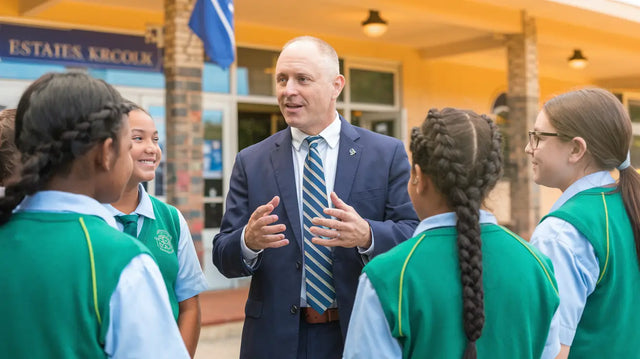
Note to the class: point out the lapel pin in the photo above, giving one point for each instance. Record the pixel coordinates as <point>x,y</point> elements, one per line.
<point>352,151</point>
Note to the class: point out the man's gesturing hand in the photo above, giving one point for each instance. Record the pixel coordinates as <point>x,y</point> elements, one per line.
<point>261,232</point>
<point>347,230</point>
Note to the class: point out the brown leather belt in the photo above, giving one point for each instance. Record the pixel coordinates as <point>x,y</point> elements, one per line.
<point>311,316</point>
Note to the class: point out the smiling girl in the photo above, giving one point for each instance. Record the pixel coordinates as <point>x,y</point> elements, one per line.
<point>162,228</point>
<point>592,233</point>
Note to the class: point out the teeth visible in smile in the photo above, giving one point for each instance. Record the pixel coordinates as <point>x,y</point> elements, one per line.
<point>146,162</point>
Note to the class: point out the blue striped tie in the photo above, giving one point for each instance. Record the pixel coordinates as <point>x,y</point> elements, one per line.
<point>318,263</point>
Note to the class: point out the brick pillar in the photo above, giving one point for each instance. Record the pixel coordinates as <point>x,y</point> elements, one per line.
<point>183,63</point>
<point>522,97</point>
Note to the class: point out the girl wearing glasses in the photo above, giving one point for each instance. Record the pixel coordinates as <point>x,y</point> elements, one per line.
<point>592,233</point>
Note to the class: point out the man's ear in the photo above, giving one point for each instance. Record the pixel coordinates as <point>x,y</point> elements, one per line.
<point>338,85</point>
<point>106,154</point>
<point>578,149</point>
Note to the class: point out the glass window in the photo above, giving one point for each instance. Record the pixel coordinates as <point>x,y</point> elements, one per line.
<point>634,113</point>
<point>212,215</point>
<point>129,77</point>
<point>215,78</point>
<point>634,110</point>
<point>256,69</point>
<point>212,167</point>
<point>635,152</point>
<point>375,87</point>
<point>26,71</point>
<point>257,122</point>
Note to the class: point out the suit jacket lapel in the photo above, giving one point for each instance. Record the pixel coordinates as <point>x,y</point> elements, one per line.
<point>348,160</point>
<point>282,161</point>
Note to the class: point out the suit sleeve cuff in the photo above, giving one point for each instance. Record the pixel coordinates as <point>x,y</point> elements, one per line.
<point>248,255</point>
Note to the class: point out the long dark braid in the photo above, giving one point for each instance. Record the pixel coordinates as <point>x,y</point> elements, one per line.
<point>460,152</point>
<point>60,117</point>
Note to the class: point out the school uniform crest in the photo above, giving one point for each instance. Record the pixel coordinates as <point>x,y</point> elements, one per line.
<point>163,241</point>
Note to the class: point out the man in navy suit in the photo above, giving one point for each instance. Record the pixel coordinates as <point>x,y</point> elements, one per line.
<point>367,213</point>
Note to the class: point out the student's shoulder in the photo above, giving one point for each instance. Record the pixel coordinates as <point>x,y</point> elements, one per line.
<point>517,247</point>
<point>102,234</point>
<point>157,203</point>
<point>399,253</point>
<point>166,210</point>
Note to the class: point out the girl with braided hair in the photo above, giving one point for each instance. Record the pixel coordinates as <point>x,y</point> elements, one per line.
<point>592,233</point>
<point>9,161</point>
<point>462,287</point>
<point>73,286</point>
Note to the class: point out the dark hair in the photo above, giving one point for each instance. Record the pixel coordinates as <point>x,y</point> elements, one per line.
<point>9,156</point>
<point>461,152</point>
<point>135,107</point>
<point>601,120</point>
<point>59,118</point>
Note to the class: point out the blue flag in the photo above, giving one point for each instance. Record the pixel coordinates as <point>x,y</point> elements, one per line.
<point>212,21</point>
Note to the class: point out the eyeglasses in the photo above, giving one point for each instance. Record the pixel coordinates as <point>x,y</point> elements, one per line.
<point>534,137</point>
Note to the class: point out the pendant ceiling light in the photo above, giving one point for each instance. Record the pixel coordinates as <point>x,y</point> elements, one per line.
<point>374,26</point>
<point>577,60</point>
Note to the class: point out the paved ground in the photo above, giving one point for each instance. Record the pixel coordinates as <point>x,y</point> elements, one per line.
<point>222,316</point>
<point>221,341</point>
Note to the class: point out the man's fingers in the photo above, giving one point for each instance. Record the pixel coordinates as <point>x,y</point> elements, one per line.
<point>328,222</point>
<point>265,220</point>
<point>337,213</point>
<point>277,244</point>
<point>338,203</point>
<point>265,209</point>
<point>324,232</point>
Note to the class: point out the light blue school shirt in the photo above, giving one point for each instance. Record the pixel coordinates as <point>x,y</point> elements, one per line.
<point>190,280</point>
<point>369,335</point>
<point>141,323</point>
<point>574,260</point>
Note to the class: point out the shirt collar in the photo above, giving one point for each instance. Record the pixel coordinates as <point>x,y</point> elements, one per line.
<point>597,179</point>
<point>145,207</point>
<point>331,134</point>
<point>65,202</point>
<point>449,220</point>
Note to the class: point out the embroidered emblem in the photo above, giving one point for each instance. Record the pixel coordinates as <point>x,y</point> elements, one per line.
<point>163,240</point>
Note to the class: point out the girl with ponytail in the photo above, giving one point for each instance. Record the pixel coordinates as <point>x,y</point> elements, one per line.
<point>592,233</point>
<point>462,287</point>
<point>73,286</point>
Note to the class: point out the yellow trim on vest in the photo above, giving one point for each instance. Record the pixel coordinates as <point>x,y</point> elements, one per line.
<point>93,270</point>
<point>534,256</point>
<point>404,267</point>
<point>606,214</point>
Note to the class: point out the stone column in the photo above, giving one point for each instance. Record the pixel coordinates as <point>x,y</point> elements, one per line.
<point>183,63</point>
<point>523,101</point>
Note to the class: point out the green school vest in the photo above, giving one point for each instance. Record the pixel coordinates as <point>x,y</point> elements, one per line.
<point>608,327</point>
<point>57,274</point>
<point>161,236</point>
<point>418,284</point>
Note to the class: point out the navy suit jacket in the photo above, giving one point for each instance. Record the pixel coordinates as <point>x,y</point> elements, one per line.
<point>371,175</point>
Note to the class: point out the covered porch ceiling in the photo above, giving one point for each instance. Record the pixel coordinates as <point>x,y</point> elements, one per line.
<point>468,32</point>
